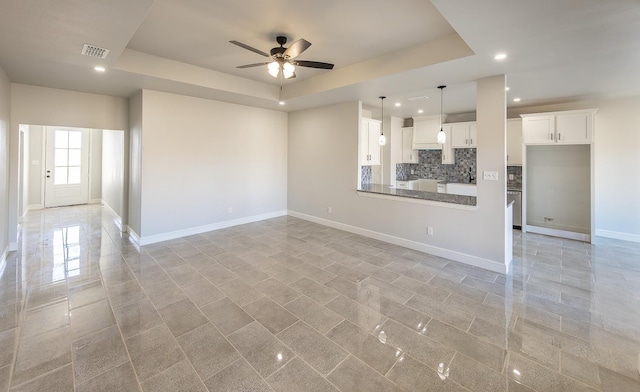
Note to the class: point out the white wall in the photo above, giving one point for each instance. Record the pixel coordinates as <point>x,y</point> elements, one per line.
<point>95,165</point>
<point>617,158</point>
<point>135,165</point>
<point>113,170</point>
<point>5,124</point>
<point>323,146</point>
<point>201,157</point>
<point>36,150</point>
<point>40,105</point>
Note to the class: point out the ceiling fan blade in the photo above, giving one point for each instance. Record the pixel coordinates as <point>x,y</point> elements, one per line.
<point>251,65</point>
<point>296,48</point>
<point>313,64</point>
<point>247,47</point>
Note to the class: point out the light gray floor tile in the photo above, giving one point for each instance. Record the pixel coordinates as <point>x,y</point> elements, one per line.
<point>240,292</point>
<point>46,318</point>
<point>202,292</point>
<point>91,318</point>
<point>314,314</point>
<point>182,316</point>
<point>42,353</point>
<point>361,315</point>
<point>179,377</point>
<point>352,375</point>
<point>319,293</point>
<point>164,293</point>
<point>414,376</point>
<point>43,295</point>
<point>137,317</point>
<point>227,316</point>
<point>125,293</point>
<point>8,340</point>
<point>153,351</point>
<point>297,376</point>
<point>442,312</point>
<point>207,350</point>
<point>318,351</point>
<point>271,315</point>
<point>540,378</point>
<point>94,354</point>
<point>5,377</point>
<point>239,376</point>
<point>371,350</point>
<point>60,380</point>
<point>277,291</point>
<point>261,348</point>
<point>120,378</point>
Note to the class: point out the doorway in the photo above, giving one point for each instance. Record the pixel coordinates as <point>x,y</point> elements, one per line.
<point>66,166</point>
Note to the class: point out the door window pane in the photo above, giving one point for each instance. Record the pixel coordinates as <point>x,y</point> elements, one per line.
<point>62,139</point>
<point>60,176</point>
<point>74,175</point>
<point>74,157</point>
<point>61,157</point>
<point>75,139</point>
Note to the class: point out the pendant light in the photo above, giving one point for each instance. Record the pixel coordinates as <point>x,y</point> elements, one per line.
<point>442,137</point>
<point>383,139</point>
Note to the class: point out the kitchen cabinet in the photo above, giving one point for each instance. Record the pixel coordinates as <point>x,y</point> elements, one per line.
<point>409,155</point>
<point>514,141</point>
<point>448,155</point>
<point>425,132</point>
<point>463,135</point>
<point>369,144</point>
<point>569,127</point>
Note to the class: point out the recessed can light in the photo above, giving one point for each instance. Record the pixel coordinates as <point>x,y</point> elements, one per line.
<point>420,111</point>
<point>281,102</point>
<point>500,56</point>
<point>99,69</point>
<point>516,100</point>
<point>398,104</point>
<point>507,89</point>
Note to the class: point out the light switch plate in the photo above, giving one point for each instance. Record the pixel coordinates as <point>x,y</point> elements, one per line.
<point>490,175</point>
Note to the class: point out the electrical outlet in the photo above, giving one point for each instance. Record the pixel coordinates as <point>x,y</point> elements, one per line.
<point>490,175</point>
<point>329,210</point>
<point>413,171</point>
<point>429,230</point>
<point>230,210</point>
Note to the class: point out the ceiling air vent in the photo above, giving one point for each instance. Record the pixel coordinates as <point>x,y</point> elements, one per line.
<point>418,98</point>
<point>95,51</point>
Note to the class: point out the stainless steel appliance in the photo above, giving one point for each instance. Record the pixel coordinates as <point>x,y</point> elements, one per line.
<point>516,197</point>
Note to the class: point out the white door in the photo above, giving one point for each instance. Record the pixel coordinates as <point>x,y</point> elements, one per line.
<point>67,166</point>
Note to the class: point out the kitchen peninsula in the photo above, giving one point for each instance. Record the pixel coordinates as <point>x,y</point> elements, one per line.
<point>417,194</point>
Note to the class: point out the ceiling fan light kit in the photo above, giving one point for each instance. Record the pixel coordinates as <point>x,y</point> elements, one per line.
<point>283,59</point>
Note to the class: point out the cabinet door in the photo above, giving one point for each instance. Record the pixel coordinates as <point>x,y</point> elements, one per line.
<point>409,155</point>
<point>363,144</point>
<point>447,150</point>
<point>574,128</point>
<point>539,130</point>
<point>374,145</point>
<point>514,142</point>
<point>459,135</point>
<point>425,134</point>
<point>473,134</point>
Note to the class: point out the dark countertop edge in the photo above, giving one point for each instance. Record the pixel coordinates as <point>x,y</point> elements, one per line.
<point>514,189</point>
<point>458,200</point>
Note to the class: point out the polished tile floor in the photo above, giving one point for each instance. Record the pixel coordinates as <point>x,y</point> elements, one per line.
<point>288,305</point>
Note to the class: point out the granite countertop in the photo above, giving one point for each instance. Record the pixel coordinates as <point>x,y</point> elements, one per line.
<point>433,196</point>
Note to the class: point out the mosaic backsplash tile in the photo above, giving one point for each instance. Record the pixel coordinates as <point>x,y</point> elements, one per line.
<point>516,183</point>
<point>365,175</point>
<point>430,166</point>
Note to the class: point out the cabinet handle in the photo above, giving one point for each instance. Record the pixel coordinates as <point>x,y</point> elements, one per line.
<point>551,134</point>
<point>466,141</point>
<point>559,137</point>
<point>471,142</point>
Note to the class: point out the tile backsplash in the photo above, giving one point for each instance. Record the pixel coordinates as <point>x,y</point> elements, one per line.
<point>430,166</point>
<point>516,183</point>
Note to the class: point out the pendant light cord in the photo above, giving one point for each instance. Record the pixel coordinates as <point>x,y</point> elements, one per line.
<point>382,114</point>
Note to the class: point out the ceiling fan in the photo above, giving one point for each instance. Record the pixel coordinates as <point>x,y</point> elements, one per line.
<point>283,60</point>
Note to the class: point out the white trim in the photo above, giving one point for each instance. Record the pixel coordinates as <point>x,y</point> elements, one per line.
<point>211,227</point>
<point>117,219</point>
<point>13,246</point>
<point>559,233</point>
<point>95,201</point>
<point>421,247</point>
<point>32,207</point>
<point>133,237</point>
<point>418,201</point>
<point>618,235</point>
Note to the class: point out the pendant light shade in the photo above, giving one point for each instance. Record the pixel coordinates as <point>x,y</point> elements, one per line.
<point>442,137</point>
<point>382,140</point>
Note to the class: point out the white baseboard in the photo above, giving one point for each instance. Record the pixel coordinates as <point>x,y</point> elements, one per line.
<point>134,237</point>
<point>617,235</point>
<point>559,233</point>
<point>433,250</point>
<point>32,207</point>
<point>203,229</point>
<point>13,246</point>
<point>117,219</point>
<point>95,201</point>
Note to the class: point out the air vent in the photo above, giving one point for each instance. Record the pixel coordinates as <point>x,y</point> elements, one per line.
<point>418,98</point>
<point>95,51</point>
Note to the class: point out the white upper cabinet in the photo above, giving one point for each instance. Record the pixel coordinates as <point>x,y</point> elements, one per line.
<point>514,141</point>
<point>570,127</point>
<point>369,144</point>
<point>463,135</point>
<point>448,157</point>
<point>425,132</point>
<point>409,155</point>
